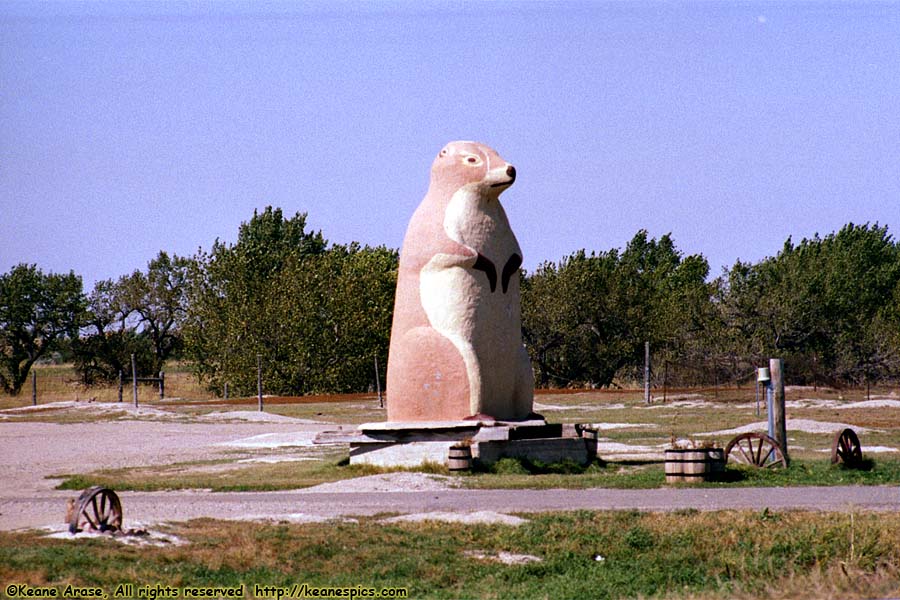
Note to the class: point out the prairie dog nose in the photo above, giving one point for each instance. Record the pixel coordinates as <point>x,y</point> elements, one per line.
<point>511,171</point>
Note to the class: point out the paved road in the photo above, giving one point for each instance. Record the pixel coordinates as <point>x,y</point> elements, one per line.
<point>145,508</point>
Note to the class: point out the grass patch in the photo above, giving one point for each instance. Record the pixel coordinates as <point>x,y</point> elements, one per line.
<point>813,473</point>
<point>226,476</point>
<point>510,473</point>
<point>583,555</point>
<point>507,473</point>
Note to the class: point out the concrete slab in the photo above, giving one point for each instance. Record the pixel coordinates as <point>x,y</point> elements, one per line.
<point>548,450</point>
<point>410,444</point>
<point>438,425</point>
<point>410,454</point>
<point>422,425</point>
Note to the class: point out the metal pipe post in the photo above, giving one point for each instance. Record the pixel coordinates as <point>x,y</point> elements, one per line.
<point>778,419</point>
<point>647,372</point>
<point>378,384</point>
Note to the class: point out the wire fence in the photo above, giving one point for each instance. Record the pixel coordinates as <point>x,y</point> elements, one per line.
<point>717,375</point>
<point>668,376</point>
<point>62,384</point>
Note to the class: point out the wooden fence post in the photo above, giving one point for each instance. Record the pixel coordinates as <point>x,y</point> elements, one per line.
<point>33,388</point>
<point>378,384</point>
<point>120,385</point>
<point>716,375</point>
<point>162,385</point>
<point>259,380</point>
<point>226,390</point>
<point>647,372</point>
<point>134,380</point>
<point>757,397</point>
<point>779,421</point>
<point>815,373</point>
<point>665,381</point>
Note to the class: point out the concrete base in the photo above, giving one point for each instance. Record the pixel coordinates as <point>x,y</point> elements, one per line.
<point>413,444</point>
<point>404,454</point>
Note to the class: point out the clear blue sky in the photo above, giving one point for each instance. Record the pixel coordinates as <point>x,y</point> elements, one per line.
<point>130,128</point>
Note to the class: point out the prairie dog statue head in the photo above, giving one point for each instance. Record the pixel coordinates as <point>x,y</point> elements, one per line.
<point>474,166</point>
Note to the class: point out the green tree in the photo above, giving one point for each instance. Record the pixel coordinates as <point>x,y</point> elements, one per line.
<point>140,314</point>
<point>572,325</point>
<point>827,305</point>
<point>36,311</point>
<point>108,337</point>
<point>234,298</point>
<point>665,297</point>
<point>860,276</point>
<point>586,318</point>
<point>338,307</point>
<point>158,300</point>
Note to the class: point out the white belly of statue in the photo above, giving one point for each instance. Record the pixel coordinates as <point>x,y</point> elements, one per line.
<point>482,324</point>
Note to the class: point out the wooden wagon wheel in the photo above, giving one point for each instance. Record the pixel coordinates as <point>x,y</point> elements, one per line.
<point>96,509</point>
<point>846,448</point>
<point>757,450</point>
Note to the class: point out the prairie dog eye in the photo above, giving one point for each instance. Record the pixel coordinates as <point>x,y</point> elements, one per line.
<point>472,160</point>
<point>444,152</point>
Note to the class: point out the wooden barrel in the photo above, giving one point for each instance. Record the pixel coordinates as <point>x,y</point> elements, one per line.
<point>695,466</point>
<point>716,459</point>
<point>674,466</point>
<point>692,466</point>
<point>459,458</point>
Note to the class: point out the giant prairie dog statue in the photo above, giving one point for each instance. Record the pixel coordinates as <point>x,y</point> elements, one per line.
<point>456,344</point>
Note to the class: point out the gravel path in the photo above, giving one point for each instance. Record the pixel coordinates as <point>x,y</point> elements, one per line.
<point>30,452</point>
<point>143,508</point>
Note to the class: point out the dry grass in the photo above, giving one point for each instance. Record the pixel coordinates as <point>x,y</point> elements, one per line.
<point>583,554</point>
<point>60,383</point>
<point>222,475</point>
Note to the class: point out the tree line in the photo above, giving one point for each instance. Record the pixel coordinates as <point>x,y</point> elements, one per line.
<point>319,314</point>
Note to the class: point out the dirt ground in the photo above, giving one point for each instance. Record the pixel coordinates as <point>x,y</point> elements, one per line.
<point>32,452</point>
